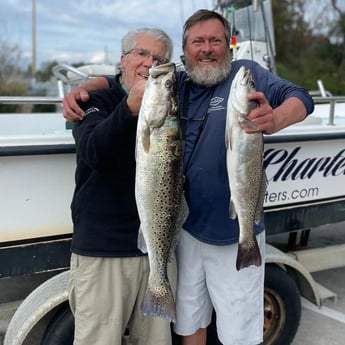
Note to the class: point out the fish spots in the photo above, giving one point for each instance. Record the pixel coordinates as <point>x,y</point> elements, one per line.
<point>247,179</point>
<point>158,185</point>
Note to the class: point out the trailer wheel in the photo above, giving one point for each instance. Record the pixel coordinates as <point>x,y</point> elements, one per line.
<point>60,329</point>
<point>282,307</point>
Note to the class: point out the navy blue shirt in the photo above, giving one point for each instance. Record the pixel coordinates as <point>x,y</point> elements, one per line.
<point>203,123</point>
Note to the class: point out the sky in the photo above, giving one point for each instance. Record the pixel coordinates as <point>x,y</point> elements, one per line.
<point>71,31</point>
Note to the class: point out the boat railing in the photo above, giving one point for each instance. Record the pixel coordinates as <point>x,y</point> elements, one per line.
<point>30,100</point>
<point>332,101</point>
<point>70,76</point>
<point>321,91</point>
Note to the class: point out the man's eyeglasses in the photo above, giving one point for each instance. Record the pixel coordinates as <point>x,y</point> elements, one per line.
<point>144,54</point>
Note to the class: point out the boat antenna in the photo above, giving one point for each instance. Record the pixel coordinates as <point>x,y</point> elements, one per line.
<point>250,34</point>
<point>270,58</point>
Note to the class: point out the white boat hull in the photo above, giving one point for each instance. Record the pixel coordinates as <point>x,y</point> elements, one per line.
<point>36,192</point>
<point>37,164</point>
<point>305,165</point>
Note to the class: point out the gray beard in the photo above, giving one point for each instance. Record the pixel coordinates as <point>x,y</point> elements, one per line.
<point>209,75</point>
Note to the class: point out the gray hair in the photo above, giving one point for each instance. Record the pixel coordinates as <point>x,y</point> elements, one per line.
<point>128,41</point>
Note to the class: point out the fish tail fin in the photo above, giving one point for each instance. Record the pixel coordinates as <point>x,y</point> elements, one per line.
<point>248,254</point>
<point>159,301</point>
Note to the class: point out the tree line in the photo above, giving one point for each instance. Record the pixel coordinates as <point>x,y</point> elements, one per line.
<point>310,42</point>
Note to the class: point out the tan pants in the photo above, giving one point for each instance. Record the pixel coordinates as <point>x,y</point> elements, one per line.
<point>105,295</point>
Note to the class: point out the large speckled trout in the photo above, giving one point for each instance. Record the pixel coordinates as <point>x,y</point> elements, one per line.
<point>158,185</point>
<point>247,178</point>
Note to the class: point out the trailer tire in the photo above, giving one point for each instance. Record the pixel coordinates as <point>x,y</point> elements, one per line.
<point>60,329</point>
<point>282,306</point>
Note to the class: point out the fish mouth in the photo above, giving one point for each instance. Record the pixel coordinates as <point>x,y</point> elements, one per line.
<point>156,71</point>
<point>144,76</point>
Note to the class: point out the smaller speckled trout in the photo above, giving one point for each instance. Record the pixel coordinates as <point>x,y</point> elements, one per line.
<point>247,178</point>
<point>158,185</point>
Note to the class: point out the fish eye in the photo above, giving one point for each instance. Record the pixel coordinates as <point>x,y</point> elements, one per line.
<point>168,84</point>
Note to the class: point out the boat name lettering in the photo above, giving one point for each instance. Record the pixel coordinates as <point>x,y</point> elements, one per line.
<point>289,166</point>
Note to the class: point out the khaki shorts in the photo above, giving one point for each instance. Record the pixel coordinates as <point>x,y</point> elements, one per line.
<point>105,295</point>
<point>207,278</point>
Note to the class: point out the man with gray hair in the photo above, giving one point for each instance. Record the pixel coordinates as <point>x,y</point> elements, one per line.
<point>109,274</point>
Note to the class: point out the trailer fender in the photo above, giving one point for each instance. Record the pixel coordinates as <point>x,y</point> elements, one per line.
<point>39,303</point>
<point>304,280</point>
